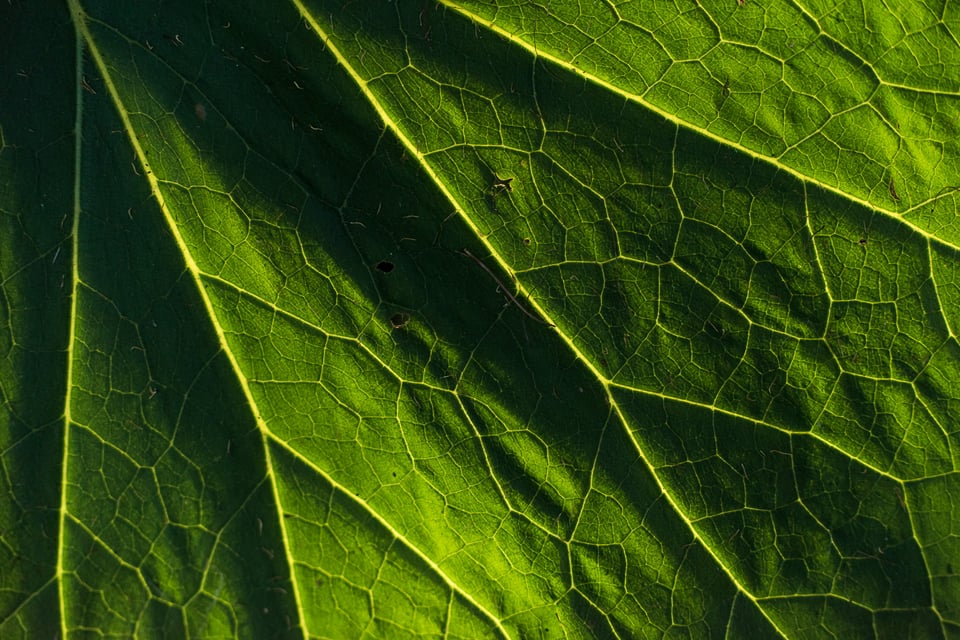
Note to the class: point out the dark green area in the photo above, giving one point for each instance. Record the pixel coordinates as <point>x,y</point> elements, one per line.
<point>478,321</point>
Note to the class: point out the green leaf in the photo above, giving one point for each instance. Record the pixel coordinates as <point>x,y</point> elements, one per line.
<point>454,319</point>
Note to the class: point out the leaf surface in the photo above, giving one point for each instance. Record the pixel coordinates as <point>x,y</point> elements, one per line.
<point>479,320</point>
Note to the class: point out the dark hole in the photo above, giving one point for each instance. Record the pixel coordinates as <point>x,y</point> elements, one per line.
<point>399,320</point>
<point>863,241</point>
<point>394,474</point>
<point>385,265</point>
<point>526,241</point>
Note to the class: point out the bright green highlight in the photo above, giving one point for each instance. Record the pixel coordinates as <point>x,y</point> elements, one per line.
<point>254,386</point>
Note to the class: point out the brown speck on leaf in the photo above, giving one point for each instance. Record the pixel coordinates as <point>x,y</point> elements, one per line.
<point>741,2</point>
<point>200,111</point>
<point>502,184</point>
<point>893,191</point>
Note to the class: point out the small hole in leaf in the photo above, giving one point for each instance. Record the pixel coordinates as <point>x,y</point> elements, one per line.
<point>399,320</point>
<point>526,242</point>
<point>385,265</point>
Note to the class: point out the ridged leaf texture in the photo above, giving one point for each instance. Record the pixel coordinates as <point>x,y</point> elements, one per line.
<point>479,319</point>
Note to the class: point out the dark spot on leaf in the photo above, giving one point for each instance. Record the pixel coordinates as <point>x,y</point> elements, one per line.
<point>385,266</point>
<point>394,474</point>
<point>399,320</point>
<point>526,242</point>
<point>893,191</point>
<point>715,329</point>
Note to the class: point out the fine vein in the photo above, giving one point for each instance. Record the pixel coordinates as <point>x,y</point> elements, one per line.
<point>503,288</point>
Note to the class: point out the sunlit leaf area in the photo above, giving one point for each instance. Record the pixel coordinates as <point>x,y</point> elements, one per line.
<point>479,319</point>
